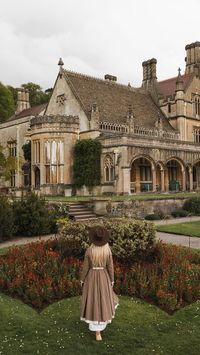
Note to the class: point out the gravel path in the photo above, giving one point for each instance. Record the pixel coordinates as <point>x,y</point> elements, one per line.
<point>166,237</point>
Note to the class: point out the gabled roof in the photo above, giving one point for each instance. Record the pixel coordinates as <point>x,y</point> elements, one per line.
<point>113,100</point>
<point>32,111</point>
<point>168,87</point>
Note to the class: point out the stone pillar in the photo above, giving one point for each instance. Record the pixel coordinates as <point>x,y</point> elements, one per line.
<point>126,185</point>
<point>162,178</point>
<point>190,179</point>
<point>166,180</point>
<point>154,179</point>
<point>42,167</point>
<point>183,180</point>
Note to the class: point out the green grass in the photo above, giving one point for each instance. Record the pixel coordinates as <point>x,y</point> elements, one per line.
<point>191,229</point>
<point>143,196</point>
<point>3,251</point>
<point>138,329</point>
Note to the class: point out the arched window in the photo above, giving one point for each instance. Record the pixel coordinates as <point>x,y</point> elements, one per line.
<point>109,170</point>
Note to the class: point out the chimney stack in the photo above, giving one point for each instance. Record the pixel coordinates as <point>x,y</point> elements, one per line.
<point>22,100</point>
<point>149,73</point>
<point>192,57</point>
<point>109,77</point>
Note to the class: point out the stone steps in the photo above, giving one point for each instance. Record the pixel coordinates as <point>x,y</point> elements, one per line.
<point>79,212</point>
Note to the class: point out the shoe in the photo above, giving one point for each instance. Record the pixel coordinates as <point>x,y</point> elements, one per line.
<point>98,336</point>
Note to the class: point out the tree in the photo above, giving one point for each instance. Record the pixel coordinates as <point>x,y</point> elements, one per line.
<point>36,95</point>
<point>7,164</point>
<point>7,106</point>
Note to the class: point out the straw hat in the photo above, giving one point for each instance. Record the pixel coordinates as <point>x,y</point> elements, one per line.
<point>99,235</point>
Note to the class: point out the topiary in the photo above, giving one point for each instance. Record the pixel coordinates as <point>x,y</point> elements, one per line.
<point>192,205</point>
<point>179,213</point>
<point>152,217</point>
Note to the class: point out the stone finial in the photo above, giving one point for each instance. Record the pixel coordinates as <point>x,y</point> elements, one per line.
<point>179,81</point>
<point>60,62</point>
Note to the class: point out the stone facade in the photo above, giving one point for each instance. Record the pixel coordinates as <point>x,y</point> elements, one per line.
<point>150,135</point>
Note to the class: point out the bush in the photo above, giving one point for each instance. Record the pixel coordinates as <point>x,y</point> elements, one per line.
<point>31,216</point>
<point>192,205</point>
<point>130,240</point>
<point>56,211</point>
<point>152,217</point>
<point>179,213</point>
<point>6,219</point>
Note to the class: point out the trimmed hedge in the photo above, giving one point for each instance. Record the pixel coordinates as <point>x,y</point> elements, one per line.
<point>130,240</point>
<point>192,205</point>
<point>179,213</point>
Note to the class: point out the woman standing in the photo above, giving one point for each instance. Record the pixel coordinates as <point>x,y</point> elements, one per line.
<point>98,302</point>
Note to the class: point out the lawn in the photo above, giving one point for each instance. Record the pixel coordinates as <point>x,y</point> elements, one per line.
<point>139,328</point>
<point>191,229</point>
<point>142,196</point>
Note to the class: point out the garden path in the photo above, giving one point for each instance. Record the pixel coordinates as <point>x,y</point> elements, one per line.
<point>166,237</point>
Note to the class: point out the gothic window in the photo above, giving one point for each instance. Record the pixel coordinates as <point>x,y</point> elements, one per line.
<point>109,170</point>
<point>172,169</point>
<point>145,170</point>
<point>36,151</point>
<point>54,161</point>
<point>196,105</point>
<point>12,148</point>
<point>196,133</point>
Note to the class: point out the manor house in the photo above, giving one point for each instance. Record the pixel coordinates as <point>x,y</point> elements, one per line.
<point>150,135</point>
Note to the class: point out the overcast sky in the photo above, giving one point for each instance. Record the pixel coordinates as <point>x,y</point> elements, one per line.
<point>94,37</point>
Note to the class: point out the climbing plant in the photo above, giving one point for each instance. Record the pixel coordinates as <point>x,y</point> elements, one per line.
<point>86,168</point>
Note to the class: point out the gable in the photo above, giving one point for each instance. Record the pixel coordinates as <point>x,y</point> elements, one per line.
<point>64,102</point>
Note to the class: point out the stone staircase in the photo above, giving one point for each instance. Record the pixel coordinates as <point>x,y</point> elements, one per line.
<point>80,212</point>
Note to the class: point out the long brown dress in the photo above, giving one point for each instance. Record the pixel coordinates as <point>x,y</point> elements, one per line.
<point>98,301</point>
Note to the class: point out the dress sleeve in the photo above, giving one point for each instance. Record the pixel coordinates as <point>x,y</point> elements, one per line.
<point>110,268</point>
<point>86,267</point>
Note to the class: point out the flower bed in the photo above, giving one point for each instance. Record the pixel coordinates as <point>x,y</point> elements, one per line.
<point>39,275</point>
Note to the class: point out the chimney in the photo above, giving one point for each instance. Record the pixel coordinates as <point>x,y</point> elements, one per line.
<point>149,73</point>
<point>22,100</point>
<point>192,57</point>
<point>109,77</point>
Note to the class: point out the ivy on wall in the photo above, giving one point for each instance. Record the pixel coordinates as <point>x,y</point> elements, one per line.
<point>86,167</point>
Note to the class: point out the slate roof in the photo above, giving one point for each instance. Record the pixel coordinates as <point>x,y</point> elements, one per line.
<point>113,100</point>
<point>32,111</point>
<point>168,87</point>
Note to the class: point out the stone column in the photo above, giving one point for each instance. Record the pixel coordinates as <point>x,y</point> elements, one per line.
<point>162,182</point>
<point>42,167</point>
<point>183,180</point>
<point>154,179</point>
<point>166,180</point>
<point>126,186</point>
<point>190,179</point>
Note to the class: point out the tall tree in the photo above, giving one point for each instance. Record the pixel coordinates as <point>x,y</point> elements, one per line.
<point>36,94</point>
<point>7,105</point>
<point>7,164</point>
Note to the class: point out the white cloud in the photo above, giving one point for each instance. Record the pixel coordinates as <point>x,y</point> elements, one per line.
<point>94,37</point>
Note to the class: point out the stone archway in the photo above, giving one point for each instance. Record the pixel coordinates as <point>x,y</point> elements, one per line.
<point>142,175</point>
<point>175,179</point>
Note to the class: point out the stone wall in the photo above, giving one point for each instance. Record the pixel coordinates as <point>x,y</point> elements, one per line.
<point>136,208</point>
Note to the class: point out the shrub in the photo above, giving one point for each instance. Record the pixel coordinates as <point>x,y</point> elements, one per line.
<point>56,211</point>
<point>179,213</point>
<point>192,205</point>
<point>130,240</point>
<point>31,216</point>
<point>152,217</point>
<point>6,219</point>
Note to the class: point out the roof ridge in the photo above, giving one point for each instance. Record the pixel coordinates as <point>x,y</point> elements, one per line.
<point>175,77</point>
<point>114,83</point>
